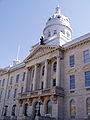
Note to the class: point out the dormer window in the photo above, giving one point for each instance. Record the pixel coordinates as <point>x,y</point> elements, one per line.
<point>55,32</point>
<point>49,34</point>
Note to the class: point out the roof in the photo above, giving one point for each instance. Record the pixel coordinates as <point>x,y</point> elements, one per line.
<point>79,39</point>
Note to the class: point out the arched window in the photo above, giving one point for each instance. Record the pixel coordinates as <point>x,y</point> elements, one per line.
<point>25,109</point>
<point>49,107</point>
<point>88,107</point>
<point>36,108</point>
<point>54,66</point>
<point>72,108</point>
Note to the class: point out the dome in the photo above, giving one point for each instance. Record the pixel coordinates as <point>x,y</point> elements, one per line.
<point>58,18</point>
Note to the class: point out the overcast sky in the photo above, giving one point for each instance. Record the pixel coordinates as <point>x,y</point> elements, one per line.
<point>22,23</point>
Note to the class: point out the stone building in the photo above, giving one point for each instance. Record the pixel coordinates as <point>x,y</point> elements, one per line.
<point>53,82</point>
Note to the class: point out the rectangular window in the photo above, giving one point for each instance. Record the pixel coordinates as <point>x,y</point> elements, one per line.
<point>1,95</point>
<point>22,90</point>
<point>54,82</point>
<point>9,94</point>
<point>11,79</point>
<point>17,79</point>
<point>0,82</point>
<point>24,74</point>
<point>86,56</point>
<point>42,85</point>
<point>3,83</point>
<point>72,61</point>
<point>15,94</point>
<point>87,78</point>
<point>72,82</point>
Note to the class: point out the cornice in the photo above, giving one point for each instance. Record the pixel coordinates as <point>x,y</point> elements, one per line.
<point>82,42</point>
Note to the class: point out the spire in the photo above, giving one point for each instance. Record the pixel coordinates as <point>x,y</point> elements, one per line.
<point>58,11</point>
<point>17,61</point>
<point>18,53</point>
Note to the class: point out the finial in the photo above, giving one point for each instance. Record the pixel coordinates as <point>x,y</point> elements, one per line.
<point>58,11</point>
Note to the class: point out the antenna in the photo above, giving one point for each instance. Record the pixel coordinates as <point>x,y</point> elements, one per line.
<point>18,53</point>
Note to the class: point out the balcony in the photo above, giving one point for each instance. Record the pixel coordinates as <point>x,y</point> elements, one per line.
<point>42,92</point>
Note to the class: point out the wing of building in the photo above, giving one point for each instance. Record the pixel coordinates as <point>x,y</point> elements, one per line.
<point>53,81</point>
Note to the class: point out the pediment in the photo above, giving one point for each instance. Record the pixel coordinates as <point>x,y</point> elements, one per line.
<point>40,51</point>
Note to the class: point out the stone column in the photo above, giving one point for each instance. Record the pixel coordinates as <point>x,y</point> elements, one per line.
<point>45,74</point>
<point>35,77</point>
<point>26,83</point>
<point>58,72</point>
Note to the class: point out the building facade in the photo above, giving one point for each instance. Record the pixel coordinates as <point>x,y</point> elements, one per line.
<point>53,82</point>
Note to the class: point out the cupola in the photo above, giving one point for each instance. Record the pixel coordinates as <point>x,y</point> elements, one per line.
<point>57,30</point>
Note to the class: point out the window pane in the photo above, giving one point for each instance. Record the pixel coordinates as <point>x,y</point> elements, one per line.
<point>11,80</point>
<point>88,106</point>
<point>22,90</point>
<point>72,82</point>
<point>8,94</point>
<point>1,95</point>
<point>49,107</point>
<point>72,109</point>
<point>0,82</point>
<point>72,61</point>
<point>43,69</point>
<point>3,82</point>
<point>54,66</point>
<point>15,94</point>
<point>54,82</point>
<point>87,78</point>
<point>17,79</point>
<point>24,74</point>
<point>86,56</point>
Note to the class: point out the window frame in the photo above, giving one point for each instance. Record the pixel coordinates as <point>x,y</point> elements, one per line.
<point>72,82</point>
<point>17,78</point>
<point>11,79</point>
<point>72,60</point>
<point>24,76</point>
<point>3,83</point>
<point>9,92</point>
<point>43,70</point>
<point>15,94</point>
<point>87,79</point>
<point>86,56</point>
<point>54,82</point>
<point>55,66</point>
<point>72,106</point>
<point>87,107</point>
